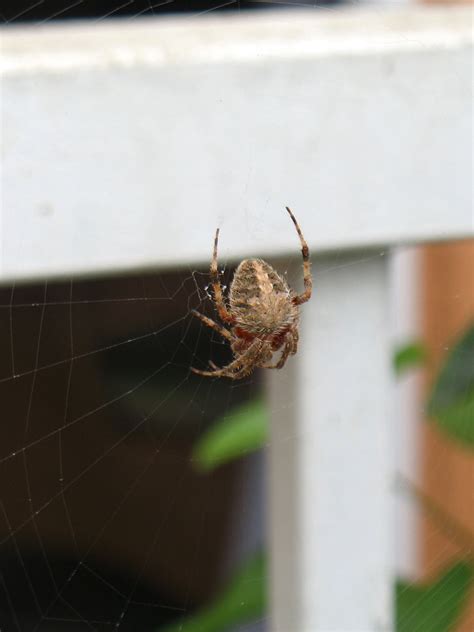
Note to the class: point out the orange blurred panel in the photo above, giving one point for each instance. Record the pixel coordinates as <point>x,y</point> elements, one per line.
<point>447,467</point>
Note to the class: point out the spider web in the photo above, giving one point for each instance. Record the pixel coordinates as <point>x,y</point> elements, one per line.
<point>105,524</point>
<point>103,414</point>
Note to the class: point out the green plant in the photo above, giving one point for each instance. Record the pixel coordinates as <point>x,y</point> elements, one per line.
<point>242,431</point>
<point>409,356</point>
<point>451,403</point>
<point>241,601</point>
<point>433,607</point>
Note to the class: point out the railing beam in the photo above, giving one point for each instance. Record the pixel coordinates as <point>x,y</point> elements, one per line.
<point>127,143</point>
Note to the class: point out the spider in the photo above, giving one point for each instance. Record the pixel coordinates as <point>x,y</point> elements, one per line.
<point>263,314</point>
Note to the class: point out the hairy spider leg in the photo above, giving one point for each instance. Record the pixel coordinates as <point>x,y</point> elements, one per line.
<point>227,370</point>
<point>213,325</point>
<point>308,279</point>
<point>265,351</point>
<point>290,348</point>
<point>249,365</point>
<point>242,372</point>
<point>222,310</point>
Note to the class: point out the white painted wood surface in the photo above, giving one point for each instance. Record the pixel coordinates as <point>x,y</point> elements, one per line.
<point>124,144</point>
<point>331,464</point>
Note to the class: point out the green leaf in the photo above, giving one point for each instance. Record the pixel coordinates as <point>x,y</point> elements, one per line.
<point>434,607</point>
<point>458,420</point>
<point>409,356</point>
<point>242,431</point>
<point>451,403</point>
<point>243,600</point>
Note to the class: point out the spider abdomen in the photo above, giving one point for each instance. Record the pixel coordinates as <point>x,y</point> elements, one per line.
<point>260,300</point>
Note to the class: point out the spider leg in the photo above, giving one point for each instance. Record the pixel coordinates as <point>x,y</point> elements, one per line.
<point>290,348</point>
<point>222,310</point>
<point>308,279</point>
<point>294,342</point>
<point>244,370</point>
<point>252,362</point>
<point>281,361</point>
<point>213,325</point>
<point>245,359</point>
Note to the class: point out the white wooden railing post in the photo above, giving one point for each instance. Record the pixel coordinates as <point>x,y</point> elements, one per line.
<point>331,466</point>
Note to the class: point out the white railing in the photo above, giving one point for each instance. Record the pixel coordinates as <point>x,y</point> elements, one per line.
<point>126,143</point>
